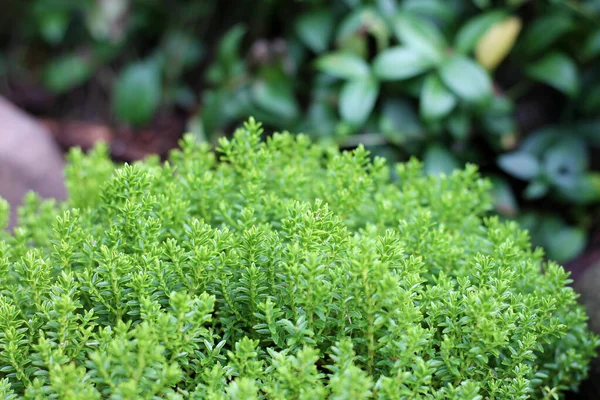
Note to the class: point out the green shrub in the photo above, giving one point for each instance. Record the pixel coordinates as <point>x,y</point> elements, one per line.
<point>284,270</point>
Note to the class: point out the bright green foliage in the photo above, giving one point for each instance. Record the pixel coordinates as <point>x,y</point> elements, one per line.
<point>281,270</point>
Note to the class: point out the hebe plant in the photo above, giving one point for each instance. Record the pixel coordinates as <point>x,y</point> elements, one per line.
<point>283,270</point>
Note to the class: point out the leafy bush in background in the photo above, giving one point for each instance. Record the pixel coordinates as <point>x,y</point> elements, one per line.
<point>284,270</point>
<point>497,83</point>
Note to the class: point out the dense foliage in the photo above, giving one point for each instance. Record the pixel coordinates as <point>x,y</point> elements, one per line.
<point>497,83</point>
<point>284,270</point>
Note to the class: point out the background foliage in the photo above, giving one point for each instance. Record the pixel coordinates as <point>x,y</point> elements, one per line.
<point>510,85</point>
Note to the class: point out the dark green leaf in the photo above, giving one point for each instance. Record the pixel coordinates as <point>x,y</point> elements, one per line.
<point>544,31</point>
<point>557,70</point>
<point>399,63</point>
<point>584,189</point>
<point>591,101</point>
<point>438,160</point>
<point>399,120</point>
<point>420,35</point>
<point>470,33</point>
<point>230,44</point>
<point>343,65</point>
<point>591,47</point>
<point>357,99</point>
<point>436,100</point>
<point>137,93</point>
<point>315,29</point>
<point>66,72</point>
<point>520,165</point>
<point>438,10</point>
<point>277,97</point>
<point>467,79</point>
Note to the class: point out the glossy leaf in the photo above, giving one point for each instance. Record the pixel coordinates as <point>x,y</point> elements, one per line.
<point>357,100</point>
<point>421,35</point>
<point>399,63</point>
<point>137,93</point>
<point>343,65</point>
<point>467,79</point>
<point>520,165</point>
<point>557,70</point>
<point>470,33</point>
<point>315,29</point>
<point>436,100</point>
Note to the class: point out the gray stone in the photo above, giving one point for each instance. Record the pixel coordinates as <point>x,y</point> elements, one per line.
<point>29,159</point>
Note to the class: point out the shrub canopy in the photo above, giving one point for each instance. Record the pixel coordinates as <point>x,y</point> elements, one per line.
<point>283,270</point>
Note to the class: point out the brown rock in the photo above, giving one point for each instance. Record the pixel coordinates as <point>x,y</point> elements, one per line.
<point>29,159</point>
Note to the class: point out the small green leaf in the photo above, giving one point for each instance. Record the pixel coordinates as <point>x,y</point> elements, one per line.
<point>436,100</point>
<point>467,79</point>
<point>557,70</point>
<point>357,100</point>
<point>520,165</point>
<point>343,65</point>
<point>399,63</point>
<point>137,93</point>
<point>544,31</point>
<point>315,29</point>
<point>421,35</point>
<point>230,44</point>
<point>438,160</point>
<point>399,120</point>
<point>470,33</point>
<point>459,125</point>
<point>66,72</point>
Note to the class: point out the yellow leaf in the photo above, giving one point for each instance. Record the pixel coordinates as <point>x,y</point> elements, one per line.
<point>497,42</point>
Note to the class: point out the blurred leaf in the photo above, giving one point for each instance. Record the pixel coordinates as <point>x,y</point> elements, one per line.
<point>519,164</point>
<point>504,197</point>
<point>497,42</point>
<point>470,33</point>
<point>342,65</point>
<point>357,100</point>
<point>536,190</point>
<point>438,160</point>
<point>399,121</point>
<point>467,79</point>
<point>591,46</point>
<point>482,3</point>
<point>66,72</point>
<point>557,70</point>
<point>436,100</point>
<point>277,97</point>
<point>584,189</point>
<point>591,100</point>
<point>459,125</point>
<point>439,10</point>
<point>359,22</point>
<point>565,160</point>
<point>537,142</point>
<point>562,242</point>
<point>315,29</point>
<point>137,93</point>
<point>399,63</point>
<point>229,47</point>
<point>544,31</point>
<point>421,35</point>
